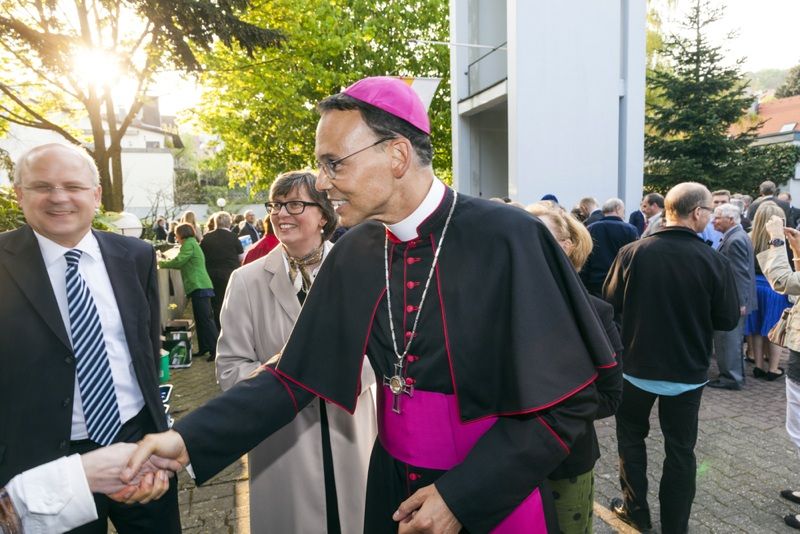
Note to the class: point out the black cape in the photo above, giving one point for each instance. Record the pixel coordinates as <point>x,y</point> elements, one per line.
<point>521,332</point>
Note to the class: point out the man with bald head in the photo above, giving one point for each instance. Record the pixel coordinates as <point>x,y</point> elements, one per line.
<point>673,291</point>
<point>485,375</point>
<point>80,342</point>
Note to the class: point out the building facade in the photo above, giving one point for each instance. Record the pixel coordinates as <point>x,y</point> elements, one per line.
<point>548,97</point>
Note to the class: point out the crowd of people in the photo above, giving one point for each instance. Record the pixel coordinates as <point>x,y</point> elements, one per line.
<point>430,372</point>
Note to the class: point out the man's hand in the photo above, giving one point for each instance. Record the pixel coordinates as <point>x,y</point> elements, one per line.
<point>426,511</point>
<point>103,468</point>
<point>151,486</point>
<point>165,451</point>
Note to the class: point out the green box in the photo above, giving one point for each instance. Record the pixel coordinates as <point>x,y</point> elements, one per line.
<point>164,374</point>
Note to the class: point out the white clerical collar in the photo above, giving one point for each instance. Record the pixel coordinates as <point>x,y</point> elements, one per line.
<point>406,230</point>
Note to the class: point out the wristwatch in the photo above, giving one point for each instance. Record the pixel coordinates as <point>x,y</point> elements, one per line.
<point>777,242</point>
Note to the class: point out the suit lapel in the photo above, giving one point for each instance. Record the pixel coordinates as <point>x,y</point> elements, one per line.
<point>26,266</point>
<point>279,284</point>
<point>121,269</point>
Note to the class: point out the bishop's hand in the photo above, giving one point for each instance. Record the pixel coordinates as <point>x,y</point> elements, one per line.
<point>165,451</point>
<point>426,512</point>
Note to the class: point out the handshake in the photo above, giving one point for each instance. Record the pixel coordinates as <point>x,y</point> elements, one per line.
<point>129,472</point>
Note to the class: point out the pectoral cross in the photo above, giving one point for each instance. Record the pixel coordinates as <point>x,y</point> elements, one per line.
<point>398,386</point>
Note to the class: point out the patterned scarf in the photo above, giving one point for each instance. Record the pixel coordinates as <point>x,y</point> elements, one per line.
<point>300,265</point>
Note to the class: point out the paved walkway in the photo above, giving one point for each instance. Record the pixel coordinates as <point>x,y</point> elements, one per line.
<point>744,459</point>
<point>220,505</point>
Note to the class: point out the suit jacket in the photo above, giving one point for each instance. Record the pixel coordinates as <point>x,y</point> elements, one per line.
<point>249,229</point>
<point>593,217</point>
<point>287,489</point>
<point>787,209</point>
<point>653,225</point>
<point>637,220</point>
<point>221,249</point>
<point>37,364</point>
<point>609,234</point>
<point>736,246</point>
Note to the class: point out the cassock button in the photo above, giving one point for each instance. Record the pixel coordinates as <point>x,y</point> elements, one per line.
<point>412,285</point>
<point>414,476</point>
<point>409,333</point>
<point>411,358</point>
<point>411,261</point>
<point>411,309</point>
<point>410,381</point>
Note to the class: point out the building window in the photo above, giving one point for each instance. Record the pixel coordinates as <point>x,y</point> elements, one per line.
<point>152,144</point>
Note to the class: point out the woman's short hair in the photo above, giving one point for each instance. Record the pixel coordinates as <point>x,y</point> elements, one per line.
<point>289,181</point>
<point>184,230</point>
<point>567,227</point>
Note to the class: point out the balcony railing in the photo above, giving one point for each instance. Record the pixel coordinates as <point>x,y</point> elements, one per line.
<point>488,69</point>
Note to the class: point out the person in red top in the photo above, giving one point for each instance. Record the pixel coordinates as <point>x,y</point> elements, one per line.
<point>264,245</point>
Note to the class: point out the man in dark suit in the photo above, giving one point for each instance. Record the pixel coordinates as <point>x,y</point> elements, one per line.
<point>637,220</point>
<point>224,253</point>
<point>80,341</point>
<point>794,213</point>
<point>591,212</point>
<point>735,246</point>
<point>609,234</point>
<point>768,190</point>
<point>249,226</point>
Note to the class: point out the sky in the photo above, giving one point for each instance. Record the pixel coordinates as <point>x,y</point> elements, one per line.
<point>767,31</point>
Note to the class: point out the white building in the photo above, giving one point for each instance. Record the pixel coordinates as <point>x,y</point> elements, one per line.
<point>550,101</point>
<point>148,167</point>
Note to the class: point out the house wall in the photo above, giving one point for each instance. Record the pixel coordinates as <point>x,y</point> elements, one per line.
<point>148,173</point>
<point>574,97</point>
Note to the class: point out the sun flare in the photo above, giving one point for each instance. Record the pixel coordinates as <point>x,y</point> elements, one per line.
<point>96,67</point>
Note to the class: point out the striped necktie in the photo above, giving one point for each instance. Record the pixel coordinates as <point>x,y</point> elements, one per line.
<point>94,373</point>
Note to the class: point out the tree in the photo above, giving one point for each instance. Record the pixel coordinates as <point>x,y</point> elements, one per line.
<point>700,98</point>
<point>791,86</point>
<point>263,107</point>
<point>43,46</point>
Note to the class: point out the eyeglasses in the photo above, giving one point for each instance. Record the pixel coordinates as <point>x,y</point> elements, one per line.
<point>706,208</point>
<point>293,207</point>
<point>46,189</point>
<point>329,167</point>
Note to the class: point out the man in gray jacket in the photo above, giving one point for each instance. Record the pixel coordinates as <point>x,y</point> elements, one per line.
<point>735,246</point>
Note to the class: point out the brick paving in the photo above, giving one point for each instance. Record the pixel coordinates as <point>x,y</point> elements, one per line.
<point>744,459</point>
<point>221,504</point>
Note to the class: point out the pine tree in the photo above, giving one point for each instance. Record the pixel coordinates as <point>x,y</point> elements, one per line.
<point>687,136</point>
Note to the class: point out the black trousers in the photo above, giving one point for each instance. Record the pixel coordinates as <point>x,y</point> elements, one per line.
<point>207,332</point>
<point>220,283</point>
<point>677,416</point>
<point>156,517</point>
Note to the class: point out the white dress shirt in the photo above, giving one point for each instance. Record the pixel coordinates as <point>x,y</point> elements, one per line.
<point>93,270</point>
<point>53,497</point>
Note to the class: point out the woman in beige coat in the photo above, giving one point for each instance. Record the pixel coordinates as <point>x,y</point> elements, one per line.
<point>309,477</point>
<point>774,263</point>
